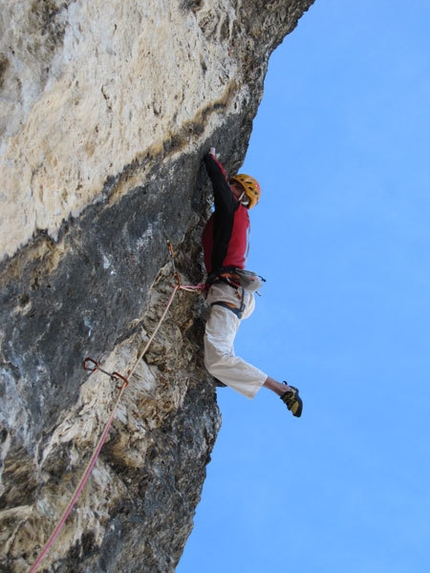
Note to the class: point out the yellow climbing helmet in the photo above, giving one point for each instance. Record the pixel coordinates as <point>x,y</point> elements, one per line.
<point>250,186</point>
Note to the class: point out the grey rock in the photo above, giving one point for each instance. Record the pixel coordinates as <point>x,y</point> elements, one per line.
<point>106,111</point>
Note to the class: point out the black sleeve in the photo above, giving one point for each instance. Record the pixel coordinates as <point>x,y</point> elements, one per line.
<point>225,203</point>
<point>225,208</point>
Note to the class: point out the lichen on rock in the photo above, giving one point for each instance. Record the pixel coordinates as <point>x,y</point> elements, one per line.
<point>106,110</point>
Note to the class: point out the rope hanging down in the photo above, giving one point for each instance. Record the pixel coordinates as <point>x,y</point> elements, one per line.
<point>93,366</point>
<point>82,483</point>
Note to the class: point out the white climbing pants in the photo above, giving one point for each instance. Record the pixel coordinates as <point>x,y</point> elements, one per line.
<point>221,328</point>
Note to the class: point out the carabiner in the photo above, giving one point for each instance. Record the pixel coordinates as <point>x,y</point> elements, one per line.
<point>115,375</point>
<point>93,368</point>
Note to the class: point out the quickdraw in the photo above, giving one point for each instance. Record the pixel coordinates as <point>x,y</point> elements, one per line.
<point>91,365</point>
<point>172,255</point>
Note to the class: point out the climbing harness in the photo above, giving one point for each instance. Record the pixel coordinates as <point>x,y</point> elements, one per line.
<point>227,275</point>
<point>92,366</point>
<point>238,279</point>
<point>238,311</point>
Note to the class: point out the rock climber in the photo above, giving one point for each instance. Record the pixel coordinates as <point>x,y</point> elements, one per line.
<point>225,243</point>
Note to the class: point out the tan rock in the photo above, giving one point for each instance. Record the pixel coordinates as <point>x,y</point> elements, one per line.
<point>106,110</point>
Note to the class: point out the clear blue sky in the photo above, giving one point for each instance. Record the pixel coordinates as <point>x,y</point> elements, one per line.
<point>341,146</point>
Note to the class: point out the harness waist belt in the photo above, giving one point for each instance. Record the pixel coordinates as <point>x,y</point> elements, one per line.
<point>225,275</point>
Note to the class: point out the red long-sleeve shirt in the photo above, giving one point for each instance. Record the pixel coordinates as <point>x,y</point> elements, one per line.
<point>225,236</point>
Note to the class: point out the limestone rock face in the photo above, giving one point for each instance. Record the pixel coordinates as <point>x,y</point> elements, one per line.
<point>106,110</point>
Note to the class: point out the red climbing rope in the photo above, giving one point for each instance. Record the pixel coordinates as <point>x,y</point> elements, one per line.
<point>81,483</point>
<point>93,366</point>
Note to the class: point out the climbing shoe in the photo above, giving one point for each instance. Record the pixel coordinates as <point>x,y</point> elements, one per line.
<point>293,401</point>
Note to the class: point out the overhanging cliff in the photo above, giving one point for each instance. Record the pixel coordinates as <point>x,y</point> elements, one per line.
<point>106,111</point>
